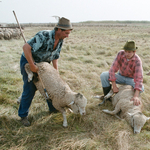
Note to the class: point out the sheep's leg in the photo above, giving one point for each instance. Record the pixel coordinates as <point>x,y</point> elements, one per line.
<point>70,110</point>
<point>19,99</point>
<point>114,112</point>
<point>65,124</point>
<point>109,94</point>
<point>29,72</point>
<point>62,110</point>
<point>106,97</point>
<point>109,112</point>
<point>118,117</point>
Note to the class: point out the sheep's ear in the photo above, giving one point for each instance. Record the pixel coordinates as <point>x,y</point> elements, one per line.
<point>131,119</point>
<point>79,95</point>
<point>147,118</point>
<point>71,103</point>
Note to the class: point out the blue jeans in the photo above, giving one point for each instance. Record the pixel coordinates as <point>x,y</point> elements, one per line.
<point>119,80</point>
<point>29,90</point>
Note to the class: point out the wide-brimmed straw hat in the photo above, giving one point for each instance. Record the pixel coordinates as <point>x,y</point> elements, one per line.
<point>130,46</point>
<point>64,23</point>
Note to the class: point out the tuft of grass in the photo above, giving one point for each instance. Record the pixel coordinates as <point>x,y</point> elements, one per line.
<point>88,61</point>
<point>101,52</point>
<point>3,98</point>
<point>72,58</point>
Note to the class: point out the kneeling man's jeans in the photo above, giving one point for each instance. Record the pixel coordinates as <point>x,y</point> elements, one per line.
<point>119,80</point>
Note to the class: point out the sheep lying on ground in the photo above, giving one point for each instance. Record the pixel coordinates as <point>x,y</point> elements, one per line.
<point>132,114</point>
<point>58,91</point>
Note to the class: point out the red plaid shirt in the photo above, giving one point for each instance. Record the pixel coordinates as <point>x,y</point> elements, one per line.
<point>129,68</point>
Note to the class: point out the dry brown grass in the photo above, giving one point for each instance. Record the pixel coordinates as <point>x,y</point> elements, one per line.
<point>85,54</point>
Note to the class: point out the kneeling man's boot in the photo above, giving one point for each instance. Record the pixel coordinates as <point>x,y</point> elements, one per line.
<point>106,91</point>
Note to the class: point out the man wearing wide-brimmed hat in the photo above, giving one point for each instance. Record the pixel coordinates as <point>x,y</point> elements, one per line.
<point>126,69</point>
<point>45,46</point>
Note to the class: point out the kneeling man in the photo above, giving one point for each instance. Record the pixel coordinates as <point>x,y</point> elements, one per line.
<point>126,69</point>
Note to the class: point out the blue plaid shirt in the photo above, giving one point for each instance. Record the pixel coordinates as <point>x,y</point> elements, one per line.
<point>42,46</point>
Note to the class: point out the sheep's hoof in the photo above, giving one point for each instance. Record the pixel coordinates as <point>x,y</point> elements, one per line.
<point>99,97</point>
<point>101,103</point>
<point>105,110</point>
<point>70,110</point>
<point>65,125</point>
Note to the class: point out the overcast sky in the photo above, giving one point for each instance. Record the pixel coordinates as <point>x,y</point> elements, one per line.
<point>41,11</point>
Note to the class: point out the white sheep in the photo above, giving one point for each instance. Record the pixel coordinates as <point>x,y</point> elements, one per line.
<point>7,35</point>
<point>16,33</point>
<point>1,35</point>
<point>58,90</point>
<point>132,114</point>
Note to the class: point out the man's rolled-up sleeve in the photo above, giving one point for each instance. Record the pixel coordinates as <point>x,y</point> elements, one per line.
<point>138,76</point>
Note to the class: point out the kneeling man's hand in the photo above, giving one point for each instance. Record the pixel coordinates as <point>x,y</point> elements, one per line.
<point>136,101</point>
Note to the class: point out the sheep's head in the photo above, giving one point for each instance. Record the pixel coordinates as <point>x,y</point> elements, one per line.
<point>78,104</point>
<point>138,120</point>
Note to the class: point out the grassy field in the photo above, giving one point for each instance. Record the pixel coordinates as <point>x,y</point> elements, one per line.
<point>85,55</point>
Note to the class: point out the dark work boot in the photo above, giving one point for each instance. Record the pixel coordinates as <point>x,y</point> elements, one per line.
<point>25,121</point>
<point>105,91</point>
